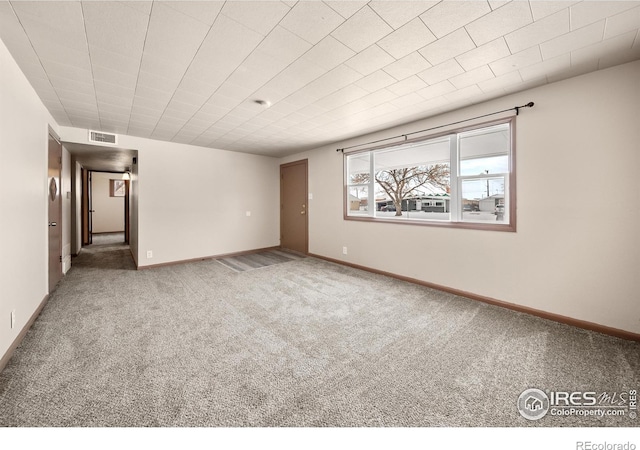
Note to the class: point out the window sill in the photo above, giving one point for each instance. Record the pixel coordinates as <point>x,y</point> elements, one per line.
<point>508,227</point>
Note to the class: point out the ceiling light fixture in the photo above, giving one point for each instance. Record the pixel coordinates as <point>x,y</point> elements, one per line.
<point>264,103</point>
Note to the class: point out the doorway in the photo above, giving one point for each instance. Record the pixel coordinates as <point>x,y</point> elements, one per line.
<point>294,214</point>
<point>105,206</point>
<point>55,210</point>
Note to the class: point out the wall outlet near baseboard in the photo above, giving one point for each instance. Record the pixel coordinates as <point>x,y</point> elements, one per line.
<point>149,254</point>
<point>344,250</point>
<point>13,319</point>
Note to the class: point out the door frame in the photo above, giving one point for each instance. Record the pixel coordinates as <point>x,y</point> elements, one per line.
<point>87,206</point>
<point>304,162</point>
<point>57,267</point>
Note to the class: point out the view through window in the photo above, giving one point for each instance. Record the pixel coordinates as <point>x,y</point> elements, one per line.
<point>461,177</point>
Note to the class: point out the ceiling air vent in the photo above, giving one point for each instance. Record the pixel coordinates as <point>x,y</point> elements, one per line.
<point>103,138</point>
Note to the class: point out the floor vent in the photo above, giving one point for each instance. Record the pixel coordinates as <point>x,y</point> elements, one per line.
<point>103,138</point>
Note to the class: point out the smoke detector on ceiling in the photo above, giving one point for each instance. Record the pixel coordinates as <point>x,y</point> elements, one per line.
<point>103,138</point>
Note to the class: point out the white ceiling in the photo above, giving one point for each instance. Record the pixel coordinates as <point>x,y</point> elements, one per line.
<point>190,71</point>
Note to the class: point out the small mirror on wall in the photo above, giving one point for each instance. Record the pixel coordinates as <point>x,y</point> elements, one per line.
<point>116,188</point>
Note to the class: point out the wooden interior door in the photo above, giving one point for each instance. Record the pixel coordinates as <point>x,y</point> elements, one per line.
<point>87,236</point>
<point>127,207</point>
<point>55,212</point>
<point>294,215</point>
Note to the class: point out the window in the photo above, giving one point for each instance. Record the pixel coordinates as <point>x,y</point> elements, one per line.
<point>116,188</point>
<point>462,179</point>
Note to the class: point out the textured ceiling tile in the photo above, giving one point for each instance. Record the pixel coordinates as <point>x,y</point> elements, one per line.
<point>544,8</point>
<point>588,12</point>
<point>259,16</point>
<point>41,33</point>
<point>485,54</point>
<point>437,90</point>
<point>574,40</point>
<point>407,66</point>
<point>397,13</point>
<point>71,85</point>
<point>113,104</point>
<point>115,27</point>
<point>362,29</point>
<point>604,48</point>
<point>102,87</point>
<point>206,68</point>
<point>474,76</point>
<point>346,9</point>
<point>405,40</point>
<point>332,81</point>
<point>75,96</point>
<point>49,50</point>
<point>114,77</point>
<point>411,84</point>
<point>540,70</point>
<point>448,47</point>
<point>329,53</point>
<point>448,16</point>
<point>312,21</point>
<point>155,81</point>
<point>622,23</point>
<point>620,56</point>
<point>370,60</point>
<point>514,62</point>
<point>59,21</point>
<point>499,22</point>
<point>173,36</point>
<point>190,98</point>
<point>378,97</point>
<point>500,83</point>
<point>464,96</point>
<point>548,28</point>
<point>407,100</point>
<point>375,81</point>
<point>441,72</point>
<point>283,46</point>
<point>58,70</point>
<point>118,61</point>
<point>204,11</point>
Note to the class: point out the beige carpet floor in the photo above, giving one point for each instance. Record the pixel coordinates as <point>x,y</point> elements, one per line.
<point>299,343</point>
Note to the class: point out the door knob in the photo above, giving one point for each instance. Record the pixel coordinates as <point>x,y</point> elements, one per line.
<point>53,224</point>
<point>302,212</point>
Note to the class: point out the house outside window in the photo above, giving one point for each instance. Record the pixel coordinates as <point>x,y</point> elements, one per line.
<point>464,178</point>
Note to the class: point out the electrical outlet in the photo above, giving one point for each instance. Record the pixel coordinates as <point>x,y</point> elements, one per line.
<point>344,250</point>
<point>248,213</point>
<point>149,254</point>
<point>13,318</point>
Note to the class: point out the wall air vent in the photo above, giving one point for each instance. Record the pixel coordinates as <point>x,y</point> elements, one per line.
<point>103,138</point>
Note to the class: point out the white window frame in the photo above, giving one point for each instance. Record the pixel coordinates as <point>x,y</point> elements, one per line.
<point>455,190</point>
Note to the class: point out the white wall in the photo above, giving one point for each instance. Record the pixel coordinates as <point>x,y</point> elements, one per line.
<point>108,216</point>
<point>23,199</point>
<point>192,201</point>
<point>65,195</point>
<point>577,256</point>
<point>76,212</point>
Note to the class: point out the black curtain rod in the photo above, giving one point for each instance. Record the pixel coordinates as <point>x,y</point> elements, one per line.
<point>515,108</point>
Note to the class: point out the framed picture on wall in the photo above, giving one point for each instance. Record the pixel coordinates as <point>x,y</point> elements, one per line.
<point>116,188</point>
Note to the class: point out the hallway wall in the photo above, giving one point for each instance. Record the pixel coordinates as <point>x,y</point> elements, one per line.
<point>24,125</point>
<point>108,216</point>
